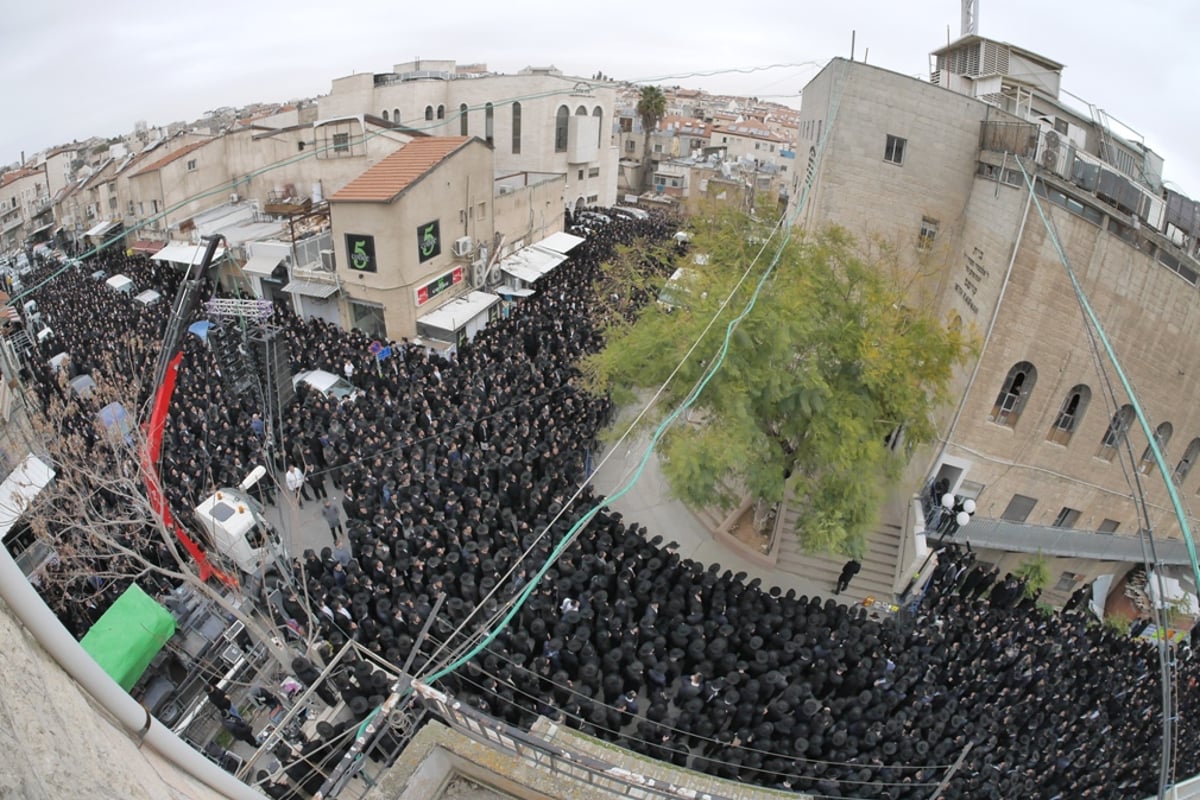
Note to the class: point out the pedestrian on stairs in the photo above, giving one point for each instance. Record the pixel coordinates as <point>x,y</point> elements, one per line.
<point>849,570</point>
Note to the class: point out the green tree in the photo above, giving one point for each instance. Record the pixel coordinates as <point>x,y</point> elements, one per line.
<point>651,106</point>
<point>820,377</point>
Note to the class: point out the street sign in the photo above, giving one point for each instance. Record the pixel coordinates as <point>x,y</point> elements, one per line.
<point>375,347</point>
<point>383,353</point>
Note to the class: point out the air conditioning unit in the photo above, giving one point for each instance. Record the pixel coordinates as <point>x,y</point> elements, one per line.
<point>506,190</point>
<point>478,273</point>
<point>327,261</point>
<point>462,246</point>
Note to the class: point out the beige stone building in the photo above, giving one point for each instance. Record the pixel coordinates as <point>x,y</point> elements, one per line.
<point>537,121</point>
<point>424,240</point>
<point>397,230</point>
<point>25,208</point>
<point>1042,440</point>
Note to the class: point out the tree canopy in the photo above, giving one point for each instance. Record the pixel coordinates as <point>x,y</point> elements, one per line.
<point>826,384</point>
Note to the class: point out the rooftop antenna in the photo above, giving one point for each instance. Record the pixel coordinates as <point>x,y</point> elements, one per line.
<point>970,17</point>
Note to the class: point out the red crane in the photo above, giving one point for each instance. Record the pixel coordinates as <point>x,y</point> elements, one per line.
<point>166,369</point>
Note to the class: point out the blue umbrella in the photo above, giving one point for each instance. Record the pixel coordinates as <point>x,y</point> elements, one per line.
<point>200,328</point>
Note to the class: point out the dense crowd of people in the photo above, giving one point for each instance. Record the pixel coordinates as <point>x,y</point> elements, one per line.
<point>451,467</point>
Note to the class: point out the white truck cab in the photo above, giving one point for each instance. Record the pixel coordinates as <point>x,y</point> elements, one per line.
<point>238,530</point>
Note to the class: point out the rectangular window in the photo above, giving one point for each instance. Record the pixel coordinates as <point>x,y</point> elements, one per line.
<point>593,199</point>
<point>1018,508</point>
<point>658,148</point>
<point>594,172</point>
<point>462,216</point>
<point>481,211</point>
<point>341,143</point>
<point>629,146</point>
<point>1108,526</point>
<point>1067,517</point>
<point>580,174</point>
<point>893,151</point>
<point>928,233</point>
<point>191,165</point>
<point>154,206</point>
<point>1066,582</point>
<point>626,124</point>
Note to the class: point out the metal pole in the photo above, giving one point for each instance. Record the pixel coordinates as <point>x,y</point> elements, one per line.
<point>41,623</point>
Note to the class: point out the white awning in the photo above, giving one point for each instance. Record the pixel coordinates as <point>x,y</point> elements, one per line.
<point>19,490</point>
<point>311,288</point>
<point>185,254</point>
<point>531,263</point>
<point>514,291</point>
<point>520,271</point>
<point>262,265</point>
<point>560,242</point>
<point>102,228</point>
<point>459,312</point>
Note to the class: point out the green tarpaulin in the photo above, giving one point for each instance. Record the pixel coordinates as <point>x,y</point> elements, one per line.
<point>128,636</point>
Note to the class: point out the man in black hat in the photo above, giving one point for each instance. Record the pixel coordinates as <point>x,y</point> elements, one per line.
<point>849,570</point>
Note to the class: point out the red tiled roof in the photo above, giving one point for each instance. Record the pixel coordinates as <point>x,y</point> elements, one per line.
<point>17,174</point>
<point>167,159</point>
<point>385,181</point>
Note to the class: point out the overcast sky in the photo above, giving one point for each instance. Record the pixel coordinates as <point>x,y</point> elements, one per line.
<point>74,69</point>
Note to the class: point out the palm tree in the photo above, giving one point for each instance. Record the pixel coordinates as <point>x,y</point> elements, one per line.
<point>652,105</point>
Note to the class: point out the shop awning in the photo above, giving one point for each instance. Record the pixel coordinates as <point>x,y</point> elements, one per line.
<point>45,227</point>
<point>520,271</point>
<point>261,265</point>
<point>459,312</point>
<point>185,254</point>
<point>513,291</point>
<point>560,242</point>
<point>146,246</point>
<point>102,228</point>
<point>311,288</point>
<point>531,263</point>
<point>127,637</point>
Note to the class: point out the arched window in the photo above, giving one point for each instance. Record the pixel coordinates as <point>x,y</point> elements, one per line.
<point>462,119</point>
<point>560,129</point>
<point>1011,400</point>
<point>1069,416</point>
<point>516,128</point>
<point>489,120</point>
<point>1115,433</point>
<point>1189,458</point>
<point>428,113</point>
<point>598,113</point>
<point>1162,435</point>
<point>581,112</point>
<point>441,112</point>
<point>385,115</point>
<point>396,115</point>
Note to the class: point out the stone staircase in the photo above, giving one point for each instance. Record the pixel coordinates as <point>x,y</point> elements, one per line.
<point>876,578</point>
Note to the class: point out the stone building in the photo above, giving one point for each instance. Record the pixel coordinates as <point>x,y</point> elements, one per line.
<point>537,121</point>
<point>1043,441</point>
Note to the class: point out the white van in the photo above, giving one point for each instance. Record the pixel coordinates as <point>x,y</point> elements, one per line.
<point>327,384</point>
<point>148,298</point>
<point>120,283</point>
